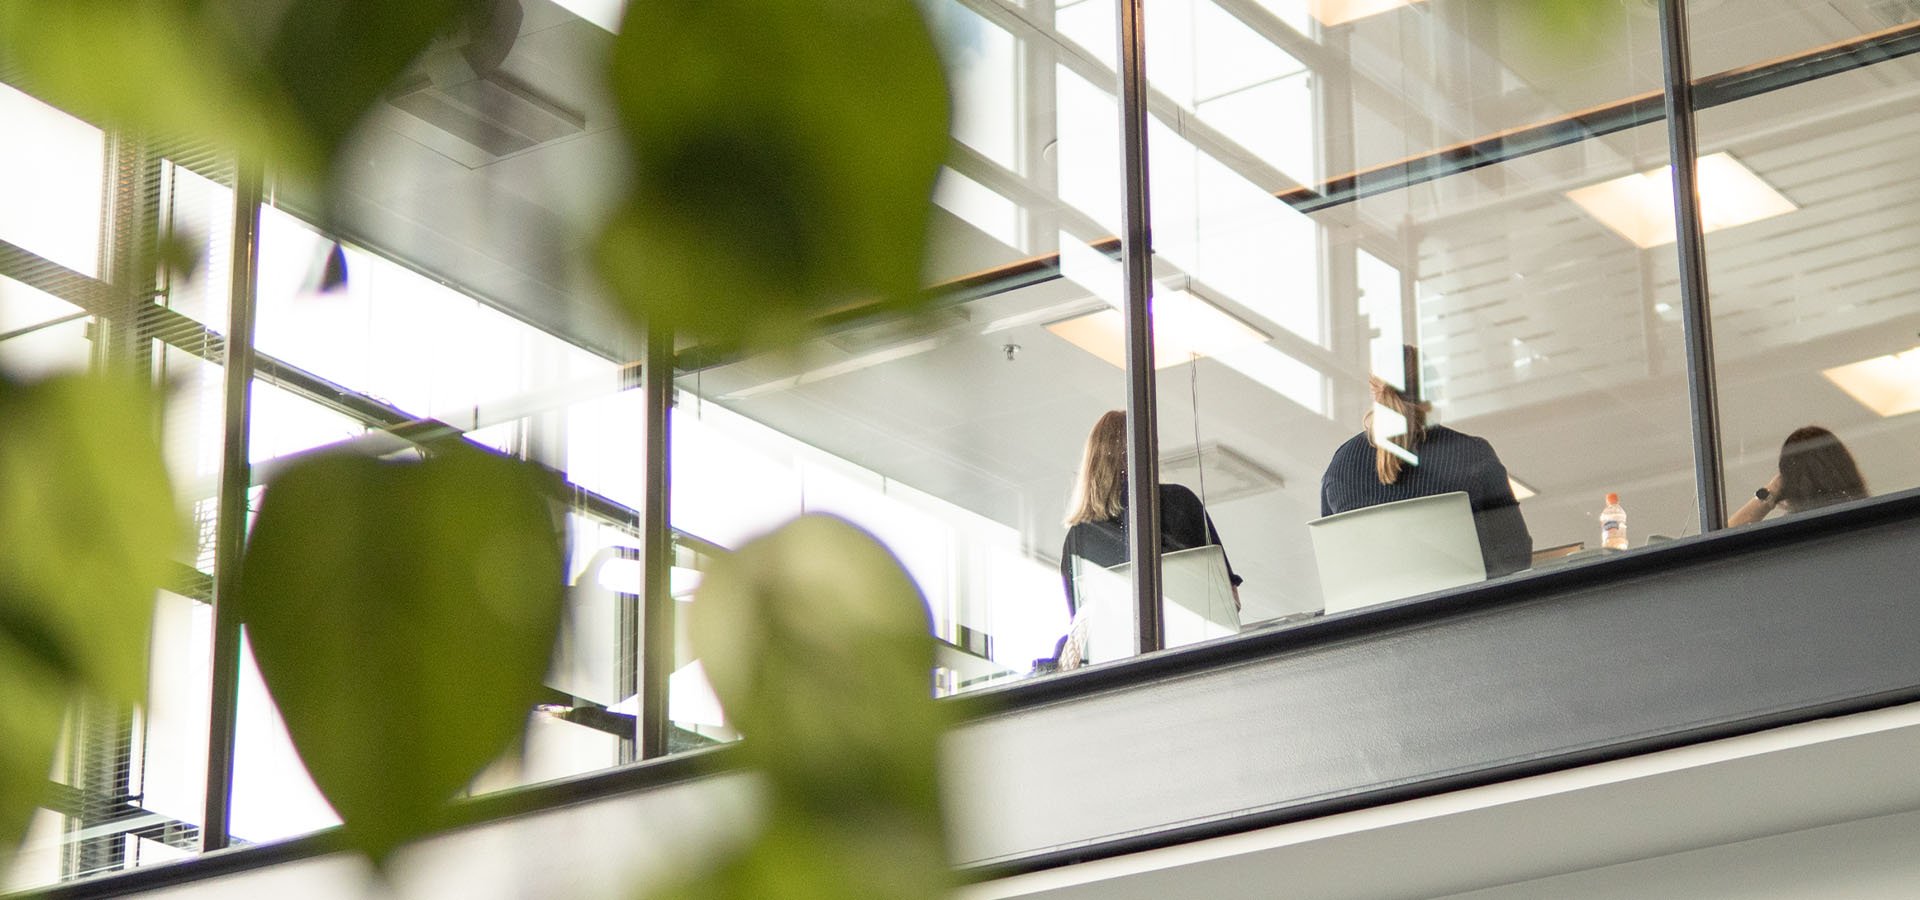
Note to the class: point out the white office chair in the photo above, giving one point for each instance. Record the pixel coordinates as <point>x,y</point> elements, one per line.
<point>1394,550</point>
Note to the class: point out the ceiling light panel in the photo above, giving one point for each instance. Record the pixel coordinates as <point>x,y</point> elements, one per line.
<point>1185,328</point>
<point>1889,385</point>
<point>1340,12</point>
<point>1639,207</point>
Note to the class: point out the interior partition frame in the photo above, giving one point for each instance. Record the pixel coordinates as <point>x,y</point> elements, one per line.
<point>1136,257</point>
<point>1696,315</point>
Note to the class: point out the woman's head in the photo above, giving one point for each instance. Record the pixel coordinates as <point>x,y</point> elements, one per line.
<point>1404,403</point>
<point>1816,470</point>
<point>1103,472</point>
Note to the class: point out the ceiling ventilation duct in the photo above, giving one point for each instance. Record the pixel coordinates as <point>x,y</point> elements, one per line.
<point>1226,474</point>
<point>463,86</point>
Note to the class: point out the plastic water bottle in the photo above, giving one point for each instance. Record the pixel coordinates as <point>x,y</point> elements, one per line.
<point>1613,524</point>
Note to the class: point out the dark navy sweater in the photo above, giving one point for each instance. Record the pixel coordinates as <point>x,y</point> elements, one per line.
<point>1449,461</point>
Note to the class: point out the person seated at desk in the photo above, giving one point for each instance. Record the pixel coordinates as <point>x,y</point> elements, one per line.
<point>1815,470</point>
<point>1097,520</point>
<point>1424,460</point>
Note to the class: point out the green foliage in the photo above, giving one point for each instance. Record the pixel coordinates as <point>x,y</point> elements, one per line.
<point>87,517</point>
<point>817,643</point>
<point>160,67</point>
<point>334,58</point>
<point>1575,32</point>
<point>33,695</point>
<point>274,82</point>
<point>402,615</point>
<point>785,152</point>
<point>1569,22</point>
<point>88,526</point>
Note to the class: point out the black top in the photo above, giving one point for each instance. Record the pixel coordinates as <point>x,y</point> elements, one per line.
<point>1184,525</point>
<point>1449,461</point>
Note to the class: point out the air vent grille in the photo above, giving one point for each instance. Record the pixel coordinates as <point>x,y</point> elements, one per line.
<point>1224,474</point>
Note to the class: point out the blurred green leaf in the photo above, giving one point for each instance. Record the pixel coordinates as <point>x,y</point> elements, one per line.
<point>335,58</point>
<point>156,67</point>
<point>34,698</point>
<point>784,159</point>
<point>88,525</point>
<point>178,251</point>
<point>818,644</point>
<point>1571,32</point>
<point>402,614</point>
<point>278,81</point>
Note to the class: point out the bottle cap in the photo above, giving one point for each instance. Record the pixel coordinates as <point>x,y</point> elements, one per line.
<point>1613,499</point>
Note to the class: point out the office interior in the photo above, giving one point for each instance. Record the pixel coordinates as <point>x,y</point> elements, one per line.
<point>1329,181</point>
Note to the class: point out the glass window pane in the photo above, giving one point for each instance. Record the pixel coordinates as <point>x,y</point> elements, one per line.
<point>199,213</point>
<point>398,336</point>
<point>40,334</point>
<point>51,177</point>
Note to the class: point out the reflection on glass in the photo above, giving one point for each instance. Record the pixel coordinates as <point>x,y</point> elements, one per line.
<point>1727,35</point>
<point>983,74</point>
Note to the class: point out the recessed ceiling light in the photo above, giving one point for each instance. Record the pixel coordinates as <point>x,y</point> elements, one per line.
<point>1340,12</point>
<point>1639,207</point>
<point>1889,385</point>
<point>1185,328</point>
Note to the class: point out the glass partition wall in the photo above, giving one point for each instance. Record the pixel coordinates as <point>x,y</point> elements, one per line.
<point>1816,327</point>
<point>1329,185</point>
<point>1413,294</point>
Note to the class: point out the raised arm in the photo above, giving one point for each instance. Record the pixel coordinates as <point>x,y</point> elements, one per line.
<point>1755,508</point>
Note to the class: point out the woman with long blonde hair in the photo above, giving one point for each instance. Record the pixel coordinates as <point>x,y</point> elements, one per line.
<point>1400,455</point>
<point>1097,515</point>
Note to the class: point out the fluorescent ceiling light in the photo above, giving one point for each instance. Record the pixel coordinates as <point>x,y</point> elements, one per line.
<point>1185,328</point>
<point>1340,12</point>
<point>1520,490</point>
<point>1639,207</point>
<point>1889,385</point>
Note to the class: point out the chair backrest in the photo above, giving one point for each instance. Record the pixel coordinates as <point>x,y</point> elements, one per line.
<point>1102,628</point>
<point>1199,594</point>
<point>1394,550</point>
<point>1194,582</point>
